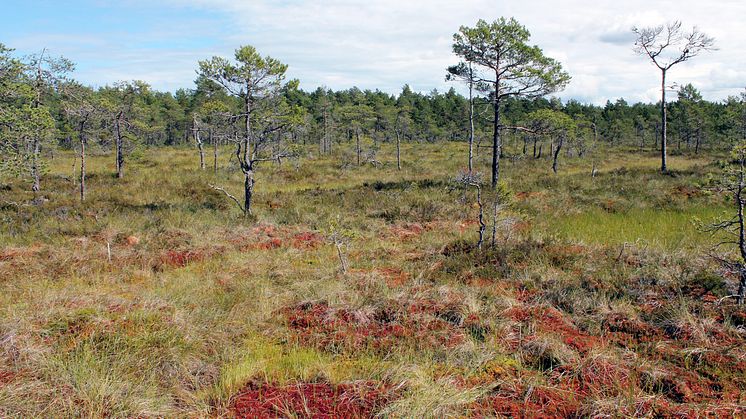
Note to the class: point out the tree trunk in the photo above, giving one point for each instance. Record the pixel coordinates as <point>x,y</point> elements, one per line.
<point>471,119</point>
<point>214,142</point>
<point>247,164</point>
<point>119,146</point>
<point>35,163</point>
<point>557,152</point>
<point>198,140</point>
<point>482,225</point>
<point>398,151</point>
<point>357,146</point>
<point>82,164</point>
<point>741,232</point>
<point>496,144</point>
<point>664,168</point>
<point>248,190</point>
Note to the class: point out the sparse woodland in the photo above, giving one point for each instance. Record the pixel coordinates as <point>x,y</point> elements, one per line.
<point>245,248</point>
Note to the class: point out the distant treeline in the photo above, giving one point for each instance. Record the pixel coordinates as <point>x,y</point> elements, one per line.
<point>42,106</point>
<point>167,119</point>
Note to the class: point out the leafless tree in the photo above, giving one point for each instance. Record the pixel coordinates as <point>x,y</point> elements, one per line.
<point>473,179</point>
<point>734,183</point>
<point>197,139</point>
<point>464,71</point>
<point>666,46</point>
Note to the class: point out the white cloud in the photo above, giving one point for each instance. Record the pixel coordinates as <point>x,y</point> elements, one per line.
<point>387,43</point>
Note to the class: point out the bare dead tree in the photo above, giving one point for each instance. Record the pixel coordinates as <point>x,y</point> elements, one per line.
<point>473,179</point>
<point>734,183</point>
<point>195,133</point>
<point>666,46</point>
<point>464,71</point>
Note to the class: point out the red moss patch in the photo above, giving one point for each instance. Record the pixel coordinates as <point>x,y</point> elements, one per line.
<point>687,192</point>
<point>550,320</point>
<point>630,332</point>
<point>181,258</point>
<point>311,400</point>
<point>10,253</point>
<point>394,277</point>
<point>268,244</point>
<point>538,402</point>
<point>307,240</point>
<point>524,196</point>
<point>407,231</point>
<point>421,325</point>
<point>267,237</point>
<point>6,377</point>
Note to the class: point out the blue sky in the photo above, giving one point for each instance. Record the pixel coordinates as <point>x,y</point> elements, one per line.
<point>372,44</point>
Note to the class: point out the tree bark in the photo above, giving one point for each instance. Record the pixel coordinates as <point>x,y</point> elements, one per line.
<point>664,168</point>
<point>741,231</point>
<point>35,163</point>
<point>556,153</point>
<point>398,150</point>
<point>357,146</point>
<point>198,140</point>
<point>247,163</point>
<point>496,144</point>
<point>471,118</point>
<point>119,146</point>
<point>482,225</point>
<point>214,142</point>
<point>82,164</point>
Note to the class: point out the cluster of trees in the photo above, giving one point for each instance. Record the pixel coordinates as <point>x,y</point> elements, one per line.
<point>247,102</point>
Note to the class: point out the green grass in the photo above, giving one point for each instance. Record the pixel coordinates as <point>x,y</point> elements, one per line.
<point>665,229</point>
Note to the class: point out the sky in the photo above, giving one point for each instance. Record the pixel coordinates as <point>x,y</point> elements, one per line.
<point>374,44</point>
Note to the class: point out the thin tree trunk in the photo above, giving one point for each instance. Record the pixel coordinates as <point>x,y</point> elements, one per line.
<point>664,167</point>
<point>495,207</point>
<point>471,118</point>
<point>357,146</point>
<point>214,152</point>
<point>35,163</point>
<point>198,140</point>
<point>482,225</point>
<point>496,144</point>
<point>248,190</point>
<point>556,153</point>
<point>119,146</point>
<point>247,164</point>
<point>739,201</point>
<point>398,150</point>
<point>82,164</point>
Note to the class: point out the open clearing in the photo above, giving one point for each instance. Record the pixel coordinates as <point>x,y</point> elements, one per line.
<point>147,300</point>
